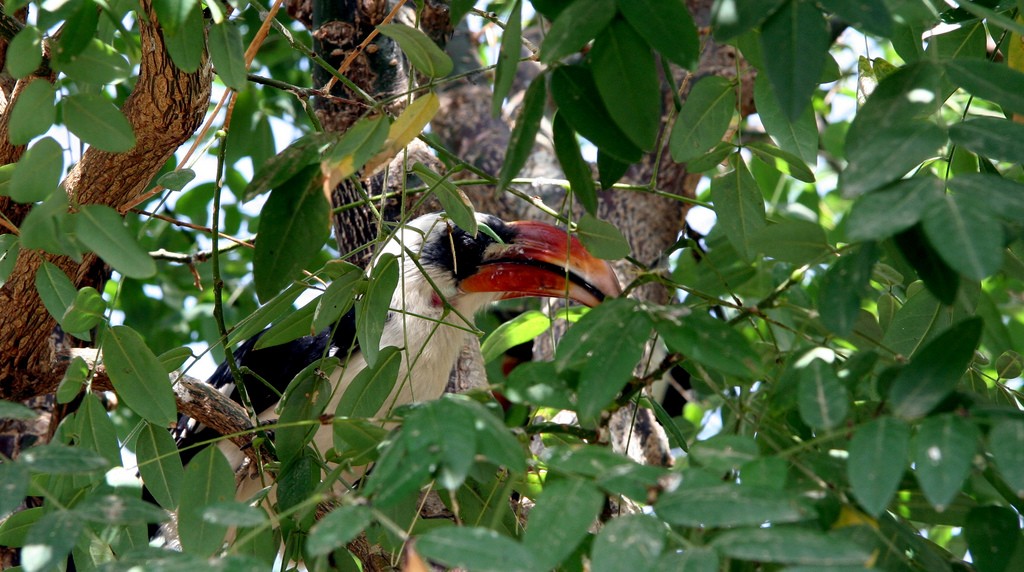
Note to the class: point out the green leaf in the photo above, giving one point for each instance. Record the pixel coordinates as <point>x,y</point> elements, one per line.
<point>693,559</point>
<point>577,170</point>
<point>423,53</point>
<point>729,505</point>
<point>176,179</point>
<point>137,376</point>
<point>477,549</point>
<point>174,358</point>
<point>98,122</point>
<point>159,465</point>
<point>233,513</point>
<point>538,383</point>
<point>877,460</point>
<point>33,112</point>
<point>576,25</point>
<point>14,529</point>
<point>843,286</point>
<point>56,291</point>
<point>17,411</point>
<point>186,42</point>
<point>796,241</point>
<point>302,152</point>
<point>993,536</point>
<point>372,309</point>
<point>25,52</point>
<point>54,459</point>
<point>48,227</point>
<point>358,145</point>
<point>823,399</point>
<point>209,480</point>
<point>458,9</point>
<point>609,169</point>
<point>508,57</point>
<point>14,479</point>
<point>292,327</point>
<point>98,64</point>
<point>723,452</point>
<point>51,539</point>
<point>941,280</point>
<point>627,81</point>
<point>798,38</point>
<point>603,239</point>
<point>791,545</point>
<point>798,137</point>
<point>893,209</point>
<point>337,529</point>
<point>890,154</point>
<point>560,520</point>
<point>631,542</point>
<point>79,29</point>
<point>935,369</point>
<point>73,381</point>
<point>399,473</point>
<point>994,138</point>
<point>739,207</point>
<point>358,439</point>
<point>730,18</point>
<point>667,26</point>
<point>524,134</point>
<point>277,307</point>
<point>121,510</point>
<point>604,346</point>
<point>172,14</point>
<point>706,340</point>
<point>575,93</point>
<point>1004,442</point>
<point>494,440</point>
<point>369,390</point>
<point>9,249</point>
<point>590,332</point>
<point>100,228</point>
<point>943,453</point>
<point>872,16</point>
<point>303,402</point>
<point>457,205</point>
<point>1002,197</point>
<point>783,161</point>
<point>227,53</point>
<point>703,119</point>
<point>338,298</point>
<point>297,217</point>
<point>96,431</point>
<point>447,428</point>
<point>889,107</point>
<point>38,172</point>
<point>993,81</point>
<point>965,235</point>
<point>519,330</point>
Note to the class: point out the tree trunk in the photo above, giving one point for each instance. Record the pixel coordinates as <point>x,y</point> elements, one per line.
<point>164,109</point>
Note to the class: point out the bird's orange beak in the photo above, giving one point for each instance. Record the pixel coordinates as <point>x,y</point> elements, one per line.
<point>543,260</point>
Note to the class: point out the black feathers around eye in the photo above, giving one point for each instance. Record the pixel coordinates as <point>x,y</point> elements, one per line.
<point>455,249</point>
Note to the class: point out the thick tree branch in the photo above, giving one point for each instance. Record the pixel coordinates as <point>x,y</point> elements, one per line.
<point>195,398</point>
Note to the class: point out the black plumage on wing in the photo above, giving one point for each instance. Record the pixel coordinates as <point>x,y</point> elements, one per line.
<point>276,365</point>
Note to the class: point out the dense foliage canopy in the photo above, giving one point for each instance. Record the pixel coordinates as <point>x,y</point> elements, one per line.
<point>848,327</point>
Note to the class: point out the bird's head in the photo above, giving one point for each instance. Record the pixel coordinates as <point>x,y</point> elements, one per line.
<point>528,259</point>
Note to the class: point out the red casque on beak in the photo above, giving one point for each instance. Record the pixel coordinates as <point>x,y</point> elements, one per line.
<point>543,260</point>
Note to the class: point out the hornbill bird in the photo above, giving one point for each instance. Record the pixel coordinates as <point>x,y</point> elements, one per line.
<point>446,276</point>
